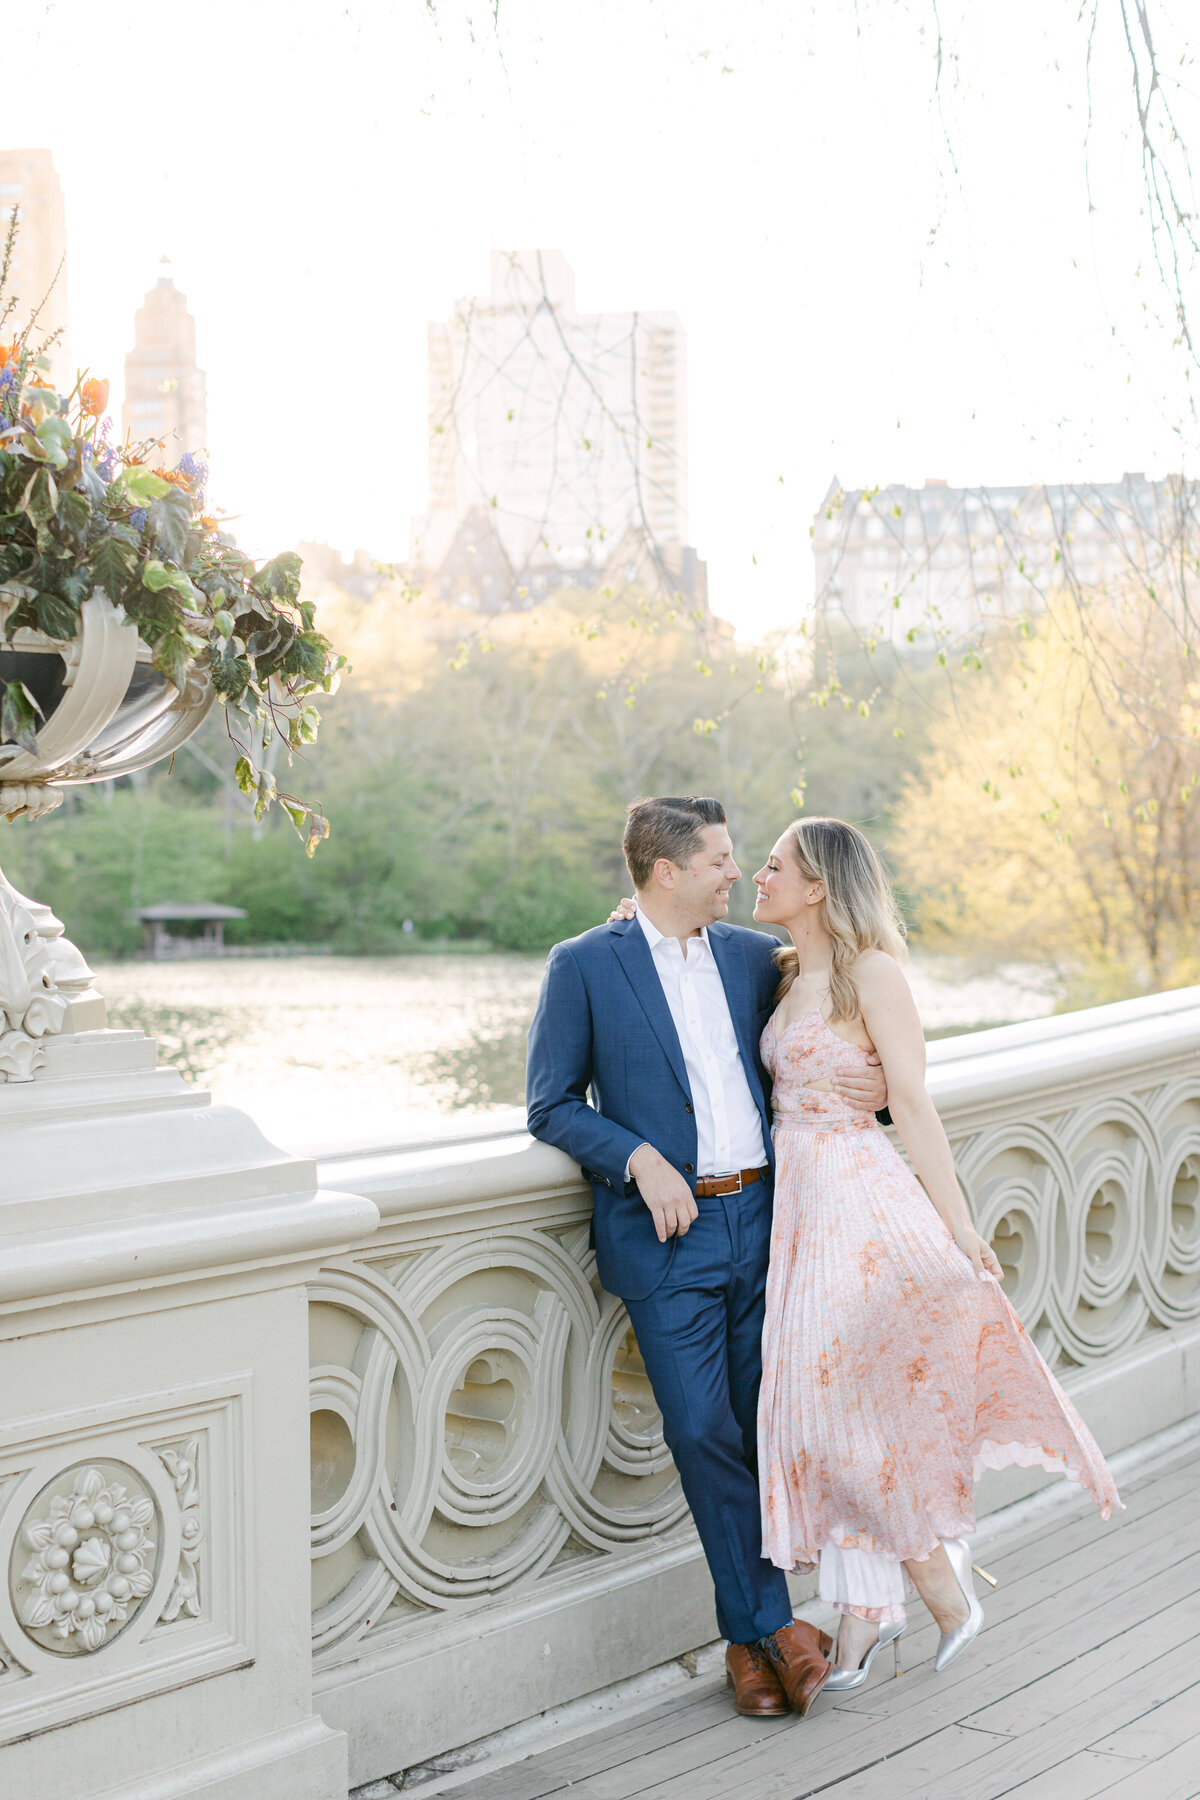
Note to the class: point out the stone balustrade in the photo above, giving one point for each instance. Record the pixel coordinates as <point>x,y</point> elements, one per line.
<point>494,1510</point>
<point>495,1525</point>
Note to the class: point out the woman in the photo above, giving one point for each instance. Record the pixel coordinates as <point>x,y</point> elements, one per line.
<point>894,1368</point>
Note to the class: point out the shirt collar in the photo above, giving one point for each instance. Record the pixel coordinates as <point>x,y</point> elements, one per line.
<point>655,937</point>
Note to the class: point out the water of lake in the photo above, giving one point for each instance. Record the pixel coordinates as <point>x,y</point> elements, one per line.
<point>330,1050</point>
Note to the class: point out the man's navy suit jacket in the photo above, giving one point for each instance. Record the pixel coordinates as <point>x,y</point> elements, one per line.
<point>603,1023</point>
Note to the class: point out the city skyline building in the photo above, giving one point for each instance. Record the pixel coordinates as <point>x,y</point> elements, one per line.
<point>567,428</point>
<point>38,274</point>
<point>165,390</point>
<point>938,562</point>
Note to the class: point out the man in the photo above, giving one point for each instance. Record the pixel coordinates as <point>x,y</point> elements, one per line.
<point>660,1017</point>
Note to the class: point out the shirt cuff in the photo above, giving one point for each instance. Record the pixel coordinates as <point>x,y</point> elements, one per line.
<point>632,1154</point>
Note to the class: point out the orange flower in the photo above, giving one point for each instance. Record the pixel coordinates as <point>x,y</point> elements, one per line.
<point>94,395</point>
<point>9,353</point>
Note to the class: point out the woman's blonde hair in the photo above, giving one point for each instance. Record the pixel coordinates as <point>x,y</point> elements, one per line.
<point>859,908</point>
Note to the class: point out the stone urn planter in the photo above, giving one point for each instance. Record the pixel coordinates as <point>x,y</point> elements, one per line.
<point>107,710</point>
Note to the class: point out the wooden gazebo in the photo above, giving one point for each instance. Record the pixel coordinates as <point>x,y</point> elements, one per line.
<point>199,928</point>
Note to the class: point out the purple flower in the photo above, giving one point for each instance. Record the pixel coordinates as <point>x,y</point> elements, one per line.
<point>106,464</point>
<point>86,453</point>
<point>194,467</point>
<point>7,380</point>
<point>137,518</point>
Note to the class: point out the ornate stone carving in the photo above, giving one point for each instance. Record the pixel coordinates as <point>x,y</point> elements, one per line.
<point>43,979</point>
<point>182,1463</point>
<point>488,1416</point>
<point>28,799</point>
<point>116,715</point>
<point>1095,1216</point>
<point>30,1003</point>
<point>93,1560</point>
<point>481,1416</point>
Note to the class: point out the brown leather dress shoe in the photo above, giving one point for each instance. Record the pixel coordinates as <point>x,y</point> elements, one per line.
<point>756,1690</point>
<point>800,1654</point>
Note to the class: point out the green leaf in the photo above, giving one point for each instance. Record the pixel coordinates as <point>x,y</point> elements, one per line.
<point>173,655</point>
<point>19,713</point>
<point>318,831</point>
<point>111,563</point>
<point>16,561</point>
<point>266,794</point>
<point>280,578</point>
<point>142,484</point>
<point>306,657</point>
<point>158,578</point>
<point>54,435</point>
<point>74,512</point>
<point>39,502</point>
<point>274,656</point>
<point>230,674</point>
<point>56,616</point>
<point>243,774</point>
<point>169,523</point>
<point>296,814</point>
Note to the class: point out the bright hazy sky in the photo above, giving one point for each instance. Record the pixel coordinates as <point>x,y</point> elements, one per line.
<point>326,177</point>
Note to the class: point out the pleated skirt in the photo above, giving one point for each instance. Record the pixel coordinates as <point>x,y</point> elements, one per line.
<point>893,1375</point>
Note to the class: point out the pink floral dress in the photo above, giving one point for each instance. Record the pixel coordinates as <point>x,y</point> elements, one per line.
<point>892,1374</point>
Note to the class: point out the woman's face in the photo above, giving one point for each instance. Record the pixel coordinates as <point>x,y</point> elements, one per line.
<point>784,891</point>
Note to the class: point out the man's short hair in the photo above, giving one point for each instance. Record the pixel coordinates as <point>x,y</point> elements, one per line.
<point>669,826</point>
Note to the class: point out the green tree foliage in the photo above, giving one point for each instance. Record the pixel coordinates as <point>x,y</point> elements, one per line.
<point>477,783</point>
<point>1055,815</point>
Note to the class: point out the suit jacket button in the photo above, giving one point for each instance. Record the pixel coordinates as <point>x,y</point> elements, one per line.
<point>688,1168</point>
<point>687,1106</point>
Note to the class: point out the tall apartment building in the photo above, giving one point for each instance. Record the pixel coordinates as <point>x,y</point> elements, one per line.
<point>565,428</point>
<point>165,392</point>
<point>28,180</point>
<point>941,560</point>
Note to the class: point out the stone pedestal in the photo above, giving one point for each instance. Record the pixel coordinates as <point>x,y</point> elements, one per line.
<point>154,1487</point>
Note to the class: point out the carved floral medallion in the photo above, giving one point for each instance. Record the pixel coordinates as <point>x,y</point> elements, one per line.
<point>93,1559</point>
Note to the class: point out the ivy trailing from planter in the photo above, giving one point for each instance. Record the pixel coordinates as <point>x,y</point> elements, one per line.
<point>79,513</point>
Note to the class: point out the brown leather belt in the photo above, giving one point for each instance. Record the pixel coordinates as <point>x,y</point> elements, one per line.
<point>707,1186</point>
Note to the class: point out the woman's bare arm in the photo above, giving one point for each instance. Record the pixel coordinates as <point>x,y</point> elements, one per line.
<point>890,1016</point>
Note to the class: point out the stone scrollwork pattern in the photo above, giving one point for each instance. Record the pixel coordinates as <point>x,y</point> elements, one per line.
<point>480,1419</point>
<point>182,1463</point>
<point>1094,1214</point>
<point>91,1557</point>
<point>31,1006</point>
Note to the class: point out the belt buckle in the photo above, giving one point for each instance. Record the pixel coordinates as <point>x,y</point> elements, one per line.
<point>738,1178</point>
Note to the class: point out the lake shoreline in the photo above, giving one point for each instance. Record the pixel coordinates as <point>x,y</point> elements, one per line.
<point>336,1048</point>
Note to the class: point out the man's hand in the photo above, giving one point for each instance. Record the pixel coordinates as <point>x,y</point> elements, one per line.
<point>868,1091</point>
<point>671,1201</point>
<point>624,909</point>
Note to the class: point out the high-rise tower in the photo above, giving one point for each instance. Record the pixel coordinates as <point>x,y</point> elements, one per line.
<point>562,429</point>
<point>164,390</point>
<point>38,276</point>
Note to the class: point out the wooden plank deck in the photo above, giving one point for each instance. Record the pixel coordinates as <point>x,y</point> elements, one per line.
<point>1084,1682</point>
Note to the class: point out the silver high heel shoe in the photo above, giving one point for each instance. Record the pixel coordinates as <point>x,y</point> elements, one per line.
<point>953,1643</point>
<point>842,1679</point>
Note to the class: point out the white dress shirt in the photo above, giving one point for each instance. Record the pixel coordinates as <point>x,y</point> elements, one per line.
<point>728,1123</point>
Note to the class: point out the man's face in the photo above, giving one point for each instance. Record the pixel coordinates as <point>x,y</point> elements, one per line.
<point>704,883</point>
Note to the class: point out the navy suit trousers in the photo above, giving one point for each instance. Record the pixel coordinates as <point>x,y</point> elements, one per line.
<point>700,1335</point>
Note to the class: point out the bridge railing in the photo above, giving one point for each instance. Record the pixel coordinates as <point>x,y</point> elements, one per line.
<point>495,1513</point>
<point>484,1505</point>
